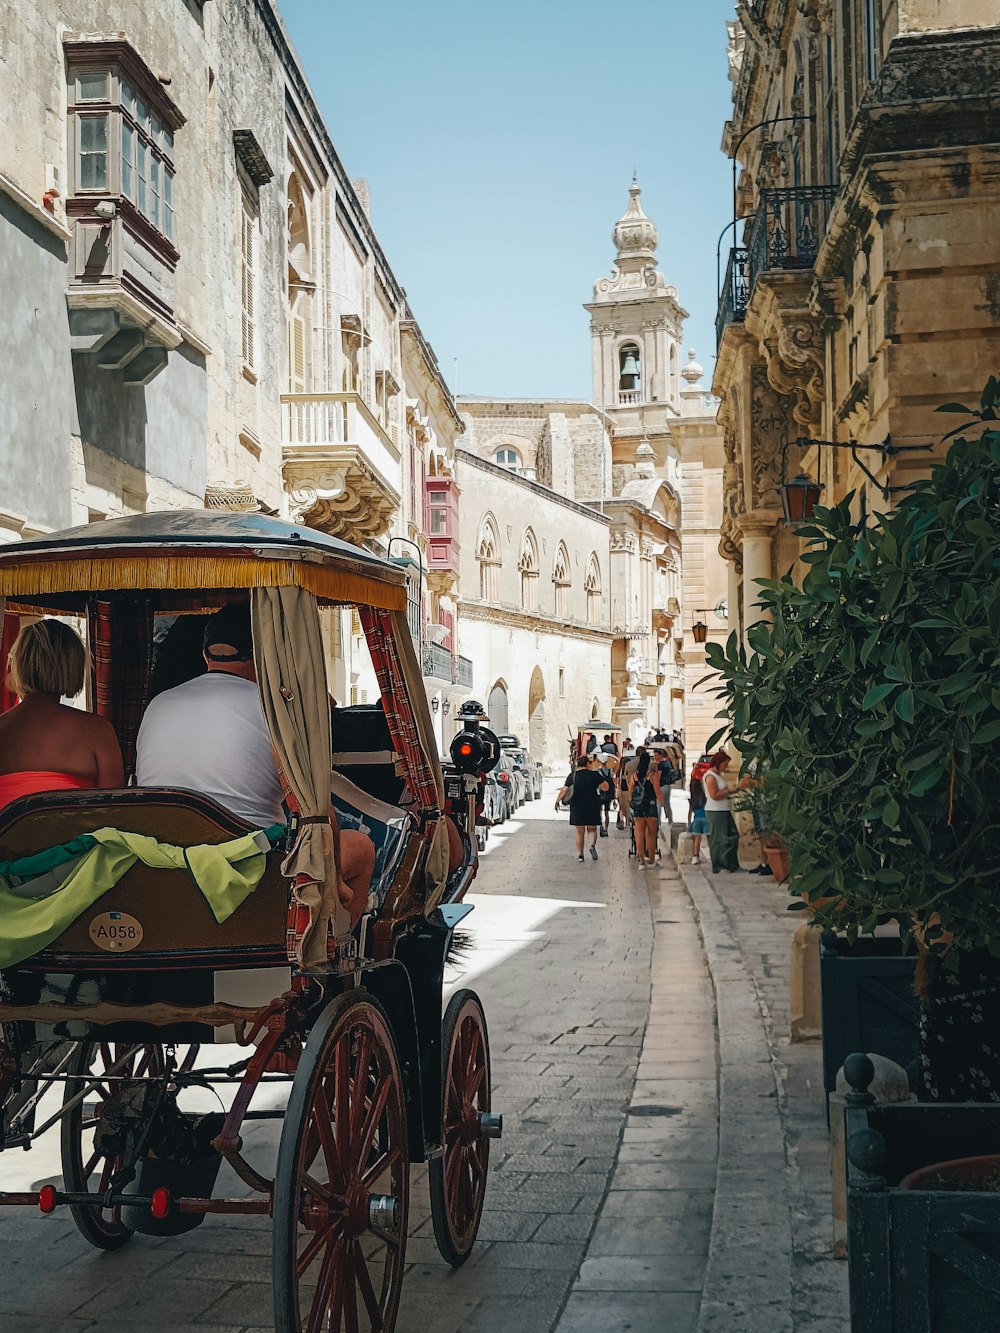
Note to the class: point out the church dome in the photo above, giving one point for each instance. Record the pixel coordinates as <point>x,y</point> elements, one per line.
<point>635,234</point>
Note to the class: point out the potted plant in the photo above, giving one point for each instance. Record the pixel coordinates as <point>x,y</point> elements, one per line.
<point>872,691</point>
<point>777,856</point>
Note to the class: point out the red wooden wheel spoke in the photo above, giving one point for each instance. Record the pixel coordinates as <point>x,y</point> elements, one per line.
<point>367,1290</point>
<point>472,1051</point>
<point>330,1150</point>
<point>316,1243</point>
<point>350,1291</point>
<point>378,1102</point>
<point>359,1084</point>
<point>477,1166</point>
<point>325,1285</point>
<point>342,1094</point>
<point>322,1191</point>
<point>476,1083</point>
<point>385,1163</point>
<point>90,1165</point>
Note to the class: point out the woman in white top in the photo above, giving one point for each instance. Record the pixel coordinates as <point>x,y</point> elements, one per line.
<point>723,835</point>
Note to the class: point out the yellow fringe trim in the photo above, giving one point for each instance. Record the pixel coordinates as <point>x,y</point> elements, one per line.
<point>34,579</point>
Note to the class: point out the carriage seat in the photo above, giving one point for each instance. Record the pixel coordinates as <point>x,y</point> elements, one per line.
<point>177,920</point>
<point>386,825</point>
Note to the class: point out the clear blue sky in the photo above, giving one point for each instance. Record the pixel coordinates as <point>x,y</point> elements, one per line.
<point>499,140</point>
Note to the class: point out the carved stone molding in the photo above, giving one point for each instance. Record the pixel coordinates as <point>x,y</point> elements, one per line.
<point>623,541</point>
<point>770,413</point>
<point>795,355</point>
<point>336,490</point>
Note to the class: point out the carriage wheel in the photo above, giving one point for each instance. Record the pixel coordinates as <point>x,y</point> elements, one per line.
<point>343,1178</point>
<point>82,1167</point>
<point>458,1177</point>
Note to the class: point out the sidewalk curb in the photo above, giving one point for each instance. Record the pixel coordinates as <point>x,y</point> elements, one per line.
<point>748,1281</point>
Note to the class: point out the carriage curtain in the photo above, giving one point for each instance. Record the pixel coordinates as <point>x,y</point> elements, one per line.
<point>121,651</point>
<point>401,682</point>
<point>9,626</point>
<point>291,675</point>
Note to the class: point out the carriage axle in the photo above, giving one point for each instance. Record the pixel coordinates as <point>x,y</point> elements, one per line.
<point>159,1202</point>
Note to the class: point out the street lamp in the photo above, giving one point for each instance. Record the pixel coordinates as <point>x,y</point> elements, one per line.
<point>446,706</point>
<point>799,498</point>
<point>699,631</point>
<point>435,703</point>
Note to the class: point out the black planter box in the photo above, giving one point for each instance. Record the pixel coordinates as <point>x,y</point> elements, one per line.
<point>868,1002</point>
<point>921,1261</point>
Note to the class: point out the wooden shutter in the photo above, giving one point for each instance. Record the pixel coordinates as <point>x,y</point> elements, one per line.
<point>297,353</point>
<point>248,246</point>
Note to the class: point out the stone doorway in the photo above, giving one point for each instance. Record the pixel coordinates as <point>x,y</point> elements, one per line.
<point>497,708</point>
<point>538,739</point>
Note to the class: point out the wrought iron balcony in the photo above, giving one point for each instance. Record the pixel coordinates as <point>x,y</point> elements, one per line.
<point>441,663</point>
<point>735,293</point>
<point>784,234</point>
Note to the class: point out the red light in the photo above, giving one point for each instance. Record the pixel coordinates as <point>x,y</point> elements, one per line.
<point>47,1199</point>
<point>159,1204</point>
<point>504,777</point>
<point>465,750</point>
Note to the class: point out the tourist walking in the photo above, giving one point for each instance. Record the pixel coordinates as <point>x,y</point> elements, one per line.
<point>608,769</point>
<point>697,820</point>
<point>584,787</point>
<point>723,835</point>
<point>625,768</point>
<point>644,803</point>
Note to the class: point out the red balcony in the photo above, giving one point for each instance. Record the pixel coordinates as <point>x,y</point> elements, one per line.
<point>441,524</point>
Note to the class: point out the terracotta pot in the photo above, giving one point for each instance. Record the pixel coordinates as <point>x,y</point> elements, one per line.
<point>980,1174</point>
<point>777,859</point>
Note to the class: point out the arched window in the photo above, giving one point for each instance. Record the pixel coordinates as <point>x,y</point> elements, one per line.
<point>629,373</point>
<point>592,587</point>
<point>561,579</point>
<point>507,457</point>
<point>528,568</point>
<point>488,555</point>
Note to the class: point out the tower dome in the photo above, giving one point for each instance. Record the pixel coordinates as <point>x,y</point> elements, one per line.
<point>635,235</point>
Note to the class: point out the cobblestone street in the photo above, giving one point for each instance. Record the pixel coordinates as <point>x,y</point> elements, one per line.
<point>614,1202</point>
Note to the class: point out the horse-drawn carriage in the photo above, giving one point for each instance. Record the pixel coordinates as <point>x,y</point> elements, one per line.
<point>138,927</point>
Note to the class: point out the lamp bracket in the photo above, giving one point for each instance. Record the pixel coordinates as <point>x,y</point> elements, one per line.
<point>887,449</point>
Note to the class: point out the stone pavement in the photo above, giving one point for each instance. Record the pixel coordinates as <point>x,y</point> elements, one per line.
<point>770,1266</point>
<point>658,1171</point>
<point>561,958</point>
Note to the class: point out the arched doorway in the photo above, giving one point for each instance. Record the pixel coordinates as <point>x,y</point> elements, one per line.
<point>537,731</point>
<point>497,708</point>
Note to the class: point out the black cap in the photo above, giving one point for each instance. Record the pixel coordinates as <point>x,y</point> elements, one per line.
<point>230,626</point>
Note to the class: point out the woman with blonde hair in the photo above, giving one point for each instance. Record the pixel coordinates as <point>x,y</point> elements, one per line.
<point>46,745</point>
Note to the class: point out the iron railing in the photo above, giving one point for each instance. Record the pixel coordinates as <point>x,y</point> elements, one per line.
<point>785,233</point>
<point>442,664</point>
<point>735,293</point>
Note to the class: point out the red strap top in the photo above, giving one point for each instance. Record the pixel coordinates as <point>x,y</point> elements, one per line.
<point>13,785</point>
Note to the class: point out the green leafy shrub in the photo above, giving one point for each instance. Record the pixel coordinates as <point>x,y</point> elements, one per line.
<point>873,695</point>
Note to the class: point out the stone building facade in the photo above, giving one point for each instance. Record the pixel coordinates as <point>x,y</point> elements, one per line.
<point>195,287</point>
<point>648,439</point>
<point>863,290</point>
<point>534,608</point>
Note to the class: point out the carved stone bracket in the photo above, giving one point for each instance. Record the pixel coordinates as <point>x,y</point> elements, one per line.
<point>796,364</point>
<point>336,490</point>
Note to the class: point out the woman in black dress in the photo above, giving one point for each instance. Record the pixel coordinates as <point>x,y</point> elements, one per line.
<point>584,788</point>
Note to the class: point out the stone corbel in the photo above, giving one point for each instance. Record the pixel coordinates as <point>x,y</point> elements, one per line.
<point>796,364</point>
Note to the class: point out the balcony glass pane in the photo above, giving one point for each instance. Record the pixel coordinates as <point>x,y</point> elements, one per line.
<point>128,159</point>
<point>94,153</point>
<point>92,87</point>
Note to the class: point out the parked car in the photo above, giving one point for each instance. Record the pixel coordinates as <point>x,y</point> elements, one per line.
<point>493,801</point>
<point>509,777</point>
<point>529,769</point>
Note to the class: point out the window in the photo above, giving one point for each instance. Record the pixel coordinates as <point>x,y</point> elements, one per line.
<point>561,579</point>
<point>562,683</point>
<point>528,568</point>
<point>832,153</point>
<point>122,125</point>
<point>871,36</point>
<point>507,457</point>
<point>248,261</point>
<point>488,555</point>
<point>592,587</point>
